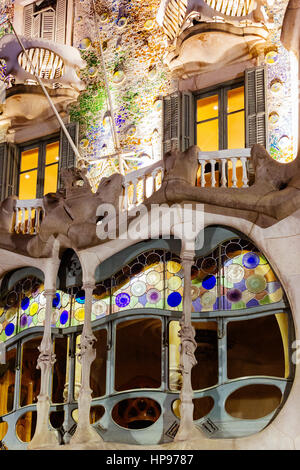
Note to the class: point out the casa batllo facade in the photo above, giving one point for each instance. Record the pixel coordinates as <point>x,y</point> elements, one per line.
<point>185,338</point>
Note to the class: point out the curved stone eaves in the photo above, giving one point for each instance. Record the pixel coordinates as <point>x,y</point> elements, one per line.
<point>10,50</point>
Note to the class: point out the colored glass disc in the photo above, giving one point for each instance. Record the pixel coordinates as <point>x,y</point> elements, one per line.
<point>234,295</point>
<point>153,296</point>
<point>122,299</point>
<point>25,303</point>
<point>209,282</point>
<point>64,317</point>
<point>9,329</point>
<point>174,299</point>
<point>250,260</point>
<point>56,301</point>
<point>256,283</point>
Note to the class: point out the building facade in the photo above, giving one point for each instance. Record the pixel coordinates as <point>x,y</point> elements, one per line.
<point>149,180</point>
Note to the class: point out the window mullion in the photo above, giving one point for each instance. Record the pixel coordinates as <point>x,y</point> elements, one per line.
<point>41,170</point>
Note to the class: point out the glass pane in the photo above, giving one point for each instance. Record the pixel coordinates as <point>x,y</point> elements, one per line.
<point>52,153</point>
<point>30,375</point>
<point>50,185</point>
<point>98,367</point>
<point>235,99</point>
<point>59,384</point>
<point>175,377</point>
<point>253,401</point>
<point>236,130</point>
<point>7,382</point>
<point>29,159</point>
<point>205,372</point>
<point>138,354</point>
<point>27,185</point>
<point>255,347</point>
<point>26,425</point>
<point>208,135</point>
<point>207,108</point>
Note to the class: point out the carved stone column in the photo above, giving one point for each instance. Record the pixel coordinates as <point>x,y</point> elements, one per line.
<point>43,435</point>
<point>188,345</point>
<point>85,433</point>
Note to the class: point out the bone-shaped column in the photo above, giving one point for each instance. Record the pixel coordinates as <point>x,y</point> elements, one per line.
<point>85,433</point>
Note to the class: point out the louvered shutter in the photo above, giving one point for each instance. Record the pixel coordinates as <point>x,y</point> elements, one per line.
<point>27,20</point>
<point>188,121</point>
<point>36,26</point>
<point>8,170</point>
<point>67,158</point>
<point>48,25</point>
<point>60,28</point>
<point>12,170</point>
<point>3,170</point>
<point>256,106</point>
<point>171,122</point>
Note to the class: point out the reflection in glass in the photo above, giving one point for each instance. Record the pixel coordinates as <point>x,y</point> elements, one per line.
<point>7,382</point>
<point>30,375</point>
<point>255,347</point>
<point>138,354</point>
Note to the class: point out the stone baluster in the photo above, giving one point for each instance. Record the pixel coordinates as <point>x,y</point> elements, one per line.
<point>234,178</point>
<point>126,202</point>
<point>245,176</point>
<point>144,187</point>
<point>43,436</point>
<point>85,433</point>
<point>29,223</point>
<point>213,173</point>
<point>202,162</point>
<point>22,220</point>
<point>188,345</point>
<point>223,177</point>
<point>134,197</point>
<point>16,228</point>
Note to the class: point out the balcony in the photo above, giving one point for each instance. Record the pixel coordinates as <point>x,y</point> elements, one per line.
<point>223,168</point>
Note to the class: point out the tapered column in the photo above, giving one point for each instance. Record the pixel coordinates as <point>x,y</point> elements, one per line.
<point>188,345</point>
<point>43,436</point>
<point>85,433</point>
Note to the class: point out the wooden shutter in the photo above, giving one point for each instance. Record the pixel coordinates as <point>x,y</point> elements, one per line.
<point>67,158</point>
<point>256,106</point>
<point>48,25</point>
<point>27,20</point>
<point>36,26</point>
<point>171,122</point>
<point>178,121</point>
<point>8,170</point>
<point>60,28</point>
<point>188,121</point>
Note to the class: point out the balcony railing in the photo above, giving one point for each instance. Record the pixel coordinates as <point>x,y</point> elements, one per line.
<point>223,168</point>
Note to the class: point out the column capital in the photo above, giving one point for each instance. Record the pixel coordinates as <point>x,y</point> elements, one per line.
<point>187,256</point>
<point>88,285</point>
<point>49,292</point>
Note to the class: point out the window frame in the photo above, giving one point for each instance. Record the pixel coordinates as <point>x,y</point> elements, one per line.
<point>222,91</point>
<point>41,144</point>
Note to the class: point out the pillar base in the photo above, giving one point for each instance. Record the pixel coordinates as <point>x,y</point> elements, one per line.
<point>188,433</point>
<point>43,436</point>
<point>86,435</point>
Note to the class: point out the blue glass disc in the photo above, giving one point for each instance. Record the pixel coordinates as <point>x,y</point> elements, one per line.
<point>250,260</point>
<point>209,282</point>
<point>9,329</point>
<point>64,317</point>
<point>174,299</point>
<point>122,300</point>
<point>25,303</point>
<point>56,301</point>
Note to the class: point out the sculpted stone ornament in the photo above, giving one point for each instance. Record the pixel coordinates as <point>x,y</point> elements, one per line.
<point>274,195</point>
<point>71,213</point>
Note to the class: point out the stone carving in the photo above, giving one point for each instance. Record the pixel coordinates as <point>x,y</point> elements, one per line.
<point>274,195</point>
<point>71,213</point>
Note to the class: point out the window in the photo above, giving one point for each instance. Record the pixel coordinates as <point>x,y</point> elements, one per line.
<point>46,19</point>
<point>232,116</point>
<point>38,169</point>
<point>220,118</point>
